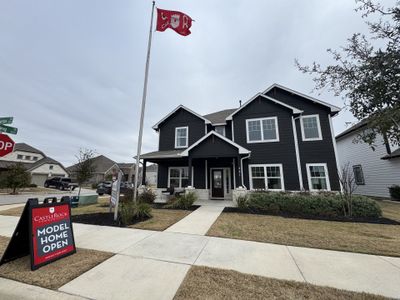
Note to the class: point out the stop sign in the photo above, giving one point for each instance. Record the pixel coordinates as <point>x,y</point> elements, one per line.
<point>6,145</point>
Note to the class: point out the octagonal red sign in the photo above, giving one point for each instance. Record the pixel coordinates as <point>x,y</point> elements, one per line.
<point>6,145</point>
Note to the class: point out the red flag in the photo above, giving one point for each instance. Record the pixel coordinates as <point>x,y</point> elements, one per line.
<point>175,20</point>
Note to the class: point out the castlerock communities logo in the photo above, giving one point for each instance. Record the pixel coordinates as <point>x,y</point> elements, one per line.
<point>52,217</point>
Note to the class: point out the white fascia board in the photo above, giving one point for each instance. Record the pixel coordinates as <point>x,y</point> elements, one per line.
<point>294,109</point>
<point>241,149</point>
<point>155,127</point>
<point>333,108</point>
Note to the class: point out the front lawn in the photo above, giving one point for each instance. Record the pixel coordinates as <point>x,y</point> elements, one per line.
<point>54,275</point>
<point>161,220</point>
<point>211,283</point>
<point>344,236</point>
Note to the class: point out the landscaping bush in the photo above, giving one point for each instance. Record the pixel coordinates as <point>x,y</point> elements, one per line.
<point>323,205</point>
<point>394,191</point>
<point>242,202</point>
<point>33,185</point>
<point>94,185</point>
<point>182,201</point>
<point>130,212</point>
<point>147,196</point>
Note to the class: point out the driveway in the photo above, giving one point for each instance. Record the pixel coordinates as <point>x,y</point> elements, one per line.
<point>14,199</point>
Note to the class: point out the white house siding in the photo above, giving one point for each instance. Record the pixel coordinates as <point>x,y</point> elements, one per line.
<point>41,173</point>
<point>13,157</point>
<point>379,174</point>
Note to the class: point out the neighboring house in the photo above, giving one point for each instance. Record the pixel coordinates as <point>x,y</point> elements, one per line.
<point>35,162</point>
<point>105,168</point>
<point>279,140</point>
<point>151,175</point>
<point>128,169</point>
<point>374,170</point>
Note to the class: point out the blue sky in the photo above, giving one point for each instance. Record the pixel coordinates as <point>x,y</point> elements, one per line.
<point>71,72</point>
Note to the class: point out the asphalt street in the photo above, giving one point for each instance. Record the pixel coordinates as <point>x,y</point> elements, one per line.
<point>21,198</point>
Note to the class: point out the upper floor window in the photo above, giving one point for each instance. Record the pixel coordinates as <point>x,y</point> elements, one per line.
<point>220,130</point>
<point>262,130</point>
<point>35,158</point>
<point>51,167</point>
<point>318,178</point>
<point>19,156</point>
<point>266,177</point>
<point>358,175</point>
<point>311,128</point>
<point>181,137</point>
<point>27,157</point>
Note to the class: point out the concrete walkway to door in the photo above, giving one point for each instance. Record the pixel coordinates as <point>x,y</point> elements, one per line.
<point>199,221</point>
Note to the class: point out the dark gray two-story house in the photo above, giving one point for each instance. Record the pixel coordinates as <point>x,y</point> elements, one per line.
<point>279,140</point>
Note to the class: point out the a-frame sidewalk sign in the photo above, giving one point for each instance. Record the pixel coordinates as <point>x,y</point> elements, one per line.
<point>44,231</point>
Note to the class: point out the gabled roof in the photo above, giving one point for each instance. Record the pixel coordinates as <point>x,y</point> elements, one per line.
<point>27,148</point>
<point>101,163</point>
<point>353,128</point>
<point>334,109</point>
<point>294,109</point>
<point>45,160</point>
<point>241,149</point>
<point>155,127</point>
<point>219,117</point>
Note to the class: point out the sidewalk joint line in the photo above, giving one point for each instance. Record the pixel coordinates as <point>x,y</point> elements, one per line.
<point>389,262</point>
<point>294,260</point>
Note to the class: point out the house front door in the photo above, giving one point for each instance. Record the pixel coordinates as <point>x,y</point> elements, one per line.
<point>217,184</point>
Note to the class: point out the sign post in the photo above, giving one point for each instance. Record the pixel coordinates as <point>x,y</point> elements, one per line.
<point>44,231</point>
<point>115,189</point>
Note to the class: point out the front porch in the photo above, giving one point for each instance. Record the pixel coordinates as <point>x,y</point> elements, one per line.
<point>212,168</point>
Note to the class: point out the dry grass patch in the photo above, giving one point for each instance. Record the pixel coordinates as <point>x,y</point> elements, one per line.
<point>210,283</point>
<point>162,219</point>
<point>390,210</point>
<point>354,237</point>
<point>54,275</point>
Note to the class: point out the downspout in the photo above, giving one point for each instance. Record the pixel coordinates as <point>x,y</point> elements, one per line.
<point>241,168</point>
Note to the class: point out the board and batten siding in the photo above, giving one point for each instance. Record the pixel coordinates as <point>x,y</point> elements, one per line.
<point>379,174</point>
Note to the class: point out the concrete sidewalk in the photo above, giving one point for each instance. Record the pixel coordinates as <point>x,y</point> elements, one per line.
<point>152,265</point>
<point>199,221</point>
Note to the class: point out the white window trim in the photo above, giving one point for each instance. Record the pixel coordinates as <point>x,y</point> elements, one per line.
<point>319,138</point>
<point>187,137</point>
<point>328,185</point>
<point>262,131</point>
<point>220,126</point>
<point>180,176</point>
<point>266,177</point>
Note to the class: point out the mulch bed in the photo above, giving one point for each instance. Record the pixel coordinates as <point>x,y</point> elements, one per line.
<point>102,219</point>
<point>163,206</point>
<point>384,221</point>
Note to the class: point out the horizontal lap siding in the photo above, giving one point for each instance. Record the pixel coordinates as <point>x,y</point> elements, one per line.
<point>282,152</point>
<point>379,174</point>
<point>312,151</point>
<point>180,118</point>
<point>214,147</point>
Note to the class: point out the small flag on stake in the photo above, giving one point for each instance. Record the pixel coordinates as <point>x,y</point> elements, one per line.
<point>175,20</point>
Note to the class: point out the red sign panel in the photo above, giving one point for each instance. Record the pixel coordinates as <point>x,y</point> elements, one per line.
<point>6,145</point>
<point>52,236</point>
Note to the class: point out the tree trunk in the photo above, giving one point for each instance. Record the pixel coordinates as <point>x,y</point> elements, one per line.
<point>79,192</point>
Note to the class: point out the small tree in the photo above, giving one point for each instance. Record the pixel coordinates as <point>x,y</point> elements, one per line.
<point>16,177</point>
<point>85,168</point>
<point>348,182</point>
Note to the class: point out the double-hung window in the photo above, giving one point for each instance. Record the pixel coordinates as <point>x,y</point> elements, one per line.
<point>318,178</point>
<point>358,175</point>
<point>181,137</point>
<point>220,130</point>
<point>178,177</point>
<point>262,130</point>
<point>311,128</point>
<point>266,177</point>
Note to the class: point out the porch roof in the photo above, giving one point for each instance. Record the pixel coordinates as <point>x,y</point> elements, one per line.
<point>162,154</point>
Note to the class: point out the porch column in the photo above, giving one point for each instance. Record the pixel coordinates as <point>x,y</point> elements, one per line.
<point>239,167</point>
<point>190,172</point>
<point>144,172</point>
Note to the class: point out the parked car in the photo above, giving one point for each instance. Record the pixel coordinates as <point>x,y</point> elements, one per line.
<point>61,183</point>
<point>104,188</point>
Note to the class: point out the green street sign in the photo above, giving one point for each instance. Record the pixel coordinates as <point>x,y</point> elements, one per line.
<point>8,129</point>
<point>6,120</point>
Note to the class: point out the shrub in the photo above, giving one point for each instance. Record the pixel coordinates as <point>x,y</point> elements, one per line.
<point>242,202</point>
<point>394,191</point>
<point>183,201</point>
<point>33,185</point>
<point>147,196</point>
<point>319,205</point>
<point>94,185</point>
<point>129,212</point>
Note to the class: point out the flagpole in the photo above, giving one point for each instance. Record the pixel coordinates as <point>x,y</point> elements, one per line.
<point>146,75</point>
